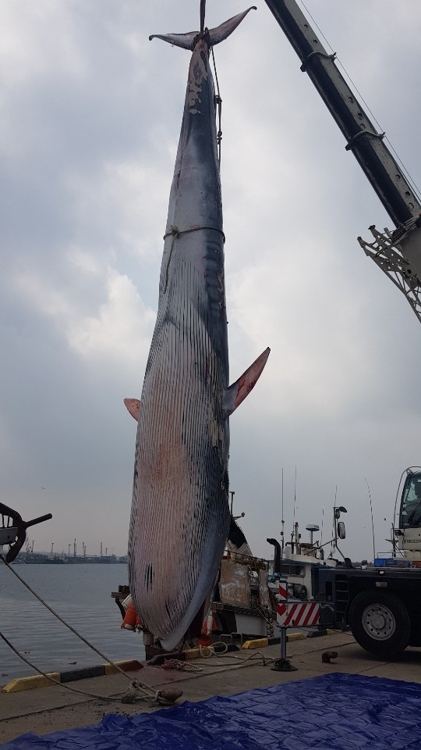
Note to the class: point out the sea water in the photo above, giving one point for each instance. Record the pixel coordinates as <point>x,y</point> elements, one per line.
<point>81,595</point>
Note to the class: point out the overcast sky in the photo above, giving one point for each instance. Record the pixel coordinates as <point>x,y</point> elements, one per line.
<point>90,113</point>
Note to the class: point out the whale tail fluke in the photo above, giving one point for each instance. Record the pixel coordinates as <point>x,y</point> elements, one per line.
<point>223,31</point>
<point>215,36</point>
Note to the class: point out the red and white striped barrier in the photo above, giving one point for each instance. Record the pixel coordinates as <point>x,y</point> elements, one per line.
<point>295,614</point>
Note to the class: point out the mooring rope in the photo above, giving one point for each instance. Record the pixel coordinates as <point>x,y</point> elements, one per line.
<point>138,690</point>
<point>239,660</point>
<point>44,603</point>
<point>57,682</point>
<point>137,683</point>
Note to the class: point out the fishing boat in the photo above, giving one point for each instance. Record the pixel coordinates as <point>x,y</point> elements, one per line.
<point>243,605</point>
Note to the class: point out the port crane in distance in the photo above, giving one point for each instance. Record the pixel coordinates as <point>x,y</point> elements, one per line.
<point>381,603</point>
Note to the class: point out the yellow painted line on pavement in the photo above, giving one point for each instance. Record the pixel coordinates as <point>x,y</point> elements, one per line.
<point>129,665</point>
<point>28,683</point>
<point>295,637</point>
<point>192,653</point>
<point>257,643</point>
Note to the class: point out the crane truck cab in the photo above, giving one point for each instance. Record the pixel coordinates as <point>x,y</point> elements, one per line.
<point>381,603</point>
<point>408,533</point>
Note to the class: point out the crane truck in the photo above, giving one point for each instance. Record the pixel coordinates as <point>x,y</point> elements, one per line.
<point>381,603</point>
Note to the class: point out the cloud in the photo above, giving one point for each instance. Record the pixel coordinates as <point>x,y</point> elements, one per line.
<point>121,322</point>
<point>90,116</point>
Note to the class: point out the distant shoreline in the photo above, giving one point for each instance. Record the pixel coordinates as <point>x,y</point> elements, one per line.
<point>40,559</point>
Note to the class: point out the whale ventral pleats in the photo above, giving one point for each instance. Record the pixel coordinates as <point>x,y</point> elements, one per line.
<point>180,516</point>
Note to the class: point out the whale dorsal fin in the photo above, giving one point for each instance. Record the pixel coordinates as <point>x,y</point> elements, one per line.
<point>237,392</point>
<point>188,41</point>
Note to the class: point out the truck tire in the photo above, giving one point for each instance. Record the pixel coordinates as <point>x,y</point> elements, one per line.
<point>415,635</point>
<point>415,639</point>
<point>380,623</point>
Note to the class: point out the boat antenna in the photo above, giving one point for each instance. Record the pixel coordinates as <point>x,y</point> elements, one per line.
<point>282,511</point>
<point>295,505</point>
<point>372,519</point>
<point>323,520</point>
<point>334,542</point>
<point>295,492</point>
<point>202,15</point>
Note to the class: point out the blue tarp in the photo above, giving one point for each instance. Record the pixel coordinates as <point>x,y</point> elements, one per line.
<point>334,712</point>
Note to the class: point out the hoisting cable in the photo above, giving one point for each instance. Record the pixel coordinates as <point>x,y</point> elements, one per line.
<point>202,15</point>
<point>134,683</point>
<point>218,103</point>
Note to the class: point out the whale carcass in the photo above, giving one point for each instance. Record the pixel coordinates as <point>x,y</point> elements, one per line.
<point>180,516</point>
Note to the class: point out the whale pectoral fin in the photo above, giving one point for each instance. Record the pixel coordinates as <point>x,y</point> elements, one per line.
<point>237,392</point>
<point>223,31</point>
<point>132,405</point>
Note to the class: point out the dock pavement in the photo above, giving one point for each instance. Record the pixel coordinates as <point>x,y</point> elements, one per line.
<point>56,707</point>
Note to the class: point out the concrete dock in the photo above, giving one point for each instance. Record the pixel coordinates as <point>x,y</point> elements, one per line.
<point>48,709</point>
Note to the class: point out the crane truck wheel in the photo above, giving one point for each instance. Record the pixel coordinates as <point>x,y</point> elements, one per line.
<point>415,637</point>
<point>380,623</point>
